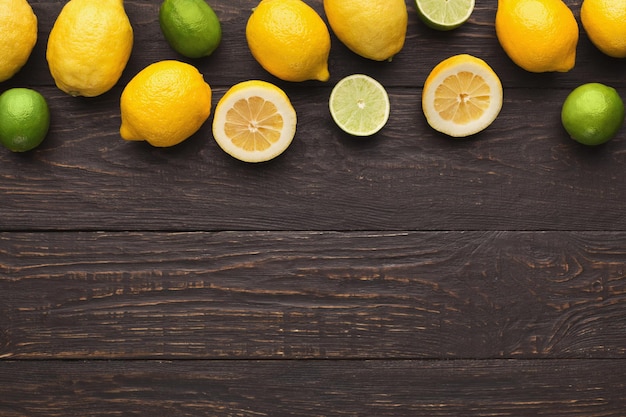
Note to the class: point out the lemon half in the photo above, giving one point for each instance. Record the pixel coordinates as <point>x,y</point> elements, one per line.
<point>462,96</point>
<point>254,121</point>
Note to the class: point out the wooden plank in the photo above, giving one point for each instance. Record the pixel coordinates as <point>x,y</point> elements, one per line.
<point>424,48</point>
<point>313,295</point>
<point>523,173</point>
<point>556,388</point>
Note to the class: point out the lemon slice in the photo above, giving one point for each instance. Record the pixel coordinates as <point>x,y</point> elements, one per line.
<point>359,105</point>
<point>254,121</point>
<point>462,96</point>
<point>444,14</point>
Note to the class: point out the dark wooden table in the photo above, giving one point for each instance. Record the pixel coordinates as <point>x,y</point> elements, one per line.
<point>408,274</point>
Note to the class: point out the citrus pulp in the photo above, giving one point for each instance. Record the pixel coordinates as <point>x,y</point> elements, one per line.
<point>444,15</point>
<point>254,121</point>
<point>462,96</point>
<point>359,105</point>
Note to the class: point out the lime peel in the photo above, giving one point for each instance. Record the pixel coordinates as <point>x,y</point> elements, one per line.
<point>24,119</point>
<point>592,113</point>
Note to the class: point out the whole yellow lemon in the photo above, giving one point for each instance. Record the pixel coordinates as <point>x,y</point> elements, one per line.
<point>290,40</point>
<point>605,24</point>
<point>374,29</point>
<point>89,46</point>
<point>164,104</point>
<point>18,35</point>
<point>538,35</point>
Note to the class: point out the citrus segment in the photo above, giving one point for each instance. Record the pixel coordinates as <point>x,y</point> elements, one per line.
<point>359,105</point>
<point>254,121</point>
<point>462,96</point>
<point>444,15</point>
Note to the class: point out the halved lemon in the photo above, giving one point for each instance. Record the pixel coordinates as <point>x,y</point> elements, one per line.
<point>462,96</point>
<point>254,121</point>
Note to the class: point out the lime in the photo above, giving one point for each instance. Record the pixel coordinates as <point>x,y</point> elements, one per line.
<point>191,27</point>
<point>359,105</point>
<point>24,119</point>
<point>444,14</point>
<point>164,104</point>
<point>592,113</point>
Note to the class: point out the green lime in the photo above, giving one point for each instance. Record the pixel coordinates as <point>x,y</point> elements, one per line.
<point>24,119</point>
<point>191,27</point>
<point>444,14</point>
<point>592,113</point>
<point>359,105</point>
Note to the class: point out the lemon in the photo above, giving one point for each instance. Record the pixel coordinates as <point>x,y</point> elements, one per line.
<point>593,113</point>
<point>24,119</point>
<point>254,121</point>
<point>191,27</point>
<point>462,96</point>
<point>359,105</point>
<point>164,104</point>
<point>605,24</point>
<point>18,35</point>
<point>374,29</point>
<point>538,35</point>
<point>89,46</point>
<point>289,39</point>
<point>444,15</point>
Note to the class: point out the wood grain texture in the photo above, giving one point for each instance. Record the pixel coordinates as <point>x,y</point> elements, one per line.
<point>404,275</point>
<point>556,388</point>
<point>313,295</point>
<point>523,173</point>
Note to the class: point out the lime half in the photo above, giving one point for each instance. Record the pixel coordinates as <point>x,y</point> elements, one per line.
<point>359,105</point>
<point>444,14</point>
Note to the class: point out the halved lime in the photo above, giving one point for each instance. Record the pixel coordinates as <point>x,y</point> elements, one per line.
<point>359,105</point>
<point>444,14</point>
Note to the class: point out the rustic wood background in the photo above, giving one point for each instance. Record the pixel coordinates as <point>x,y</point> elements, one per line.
<point>408,274</point>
